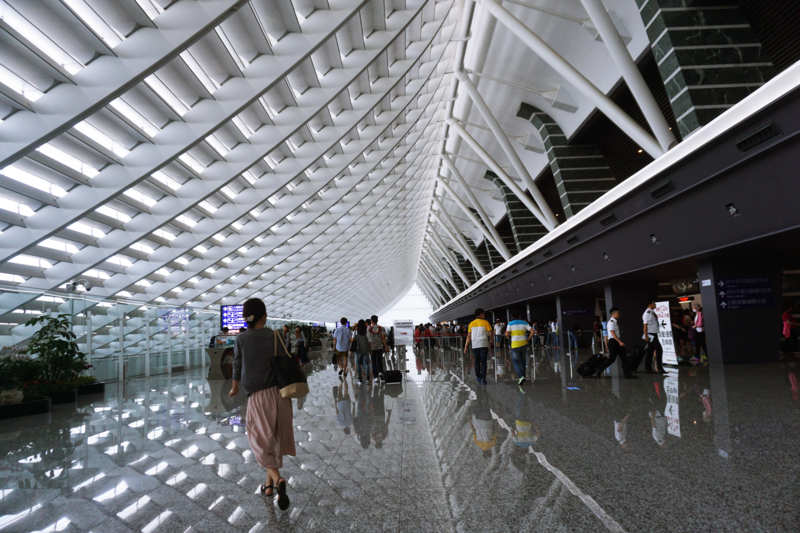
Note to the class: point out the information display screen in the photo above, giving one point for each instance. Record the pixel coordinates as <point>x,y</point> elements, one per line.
<point>231,317</point>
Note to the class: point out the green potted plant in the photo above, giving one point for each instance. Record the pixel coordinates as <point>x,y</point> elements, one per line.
<point>19,378</point>
<point>62,362</point>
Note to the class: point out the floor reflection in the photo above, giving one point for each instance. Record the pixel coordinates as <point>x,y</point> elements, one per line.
<point>702,449</point>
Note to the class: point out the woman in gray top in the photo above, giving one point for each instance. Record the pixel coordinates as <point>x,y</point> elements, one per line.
<point>269,415</point>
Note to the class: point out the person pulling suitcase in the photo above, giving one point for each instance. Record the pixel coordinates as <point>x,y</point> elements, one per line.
<point>616,348</point>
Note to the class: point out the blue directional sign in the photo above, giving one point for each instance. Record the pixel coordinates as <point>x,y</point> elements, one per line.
<point>745,293</point>
<point>231,317</point>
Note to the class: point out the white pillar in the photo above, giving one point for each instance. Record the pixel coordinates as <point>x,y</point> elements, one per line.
<point>486,233</point>
<point>168,322</point>
<point>186,341</point>
<point>575,78</point>
<point>437,243</point>
<point>449,225</point>
<point>121,360</point>
<point>633,78</point>
<point>89,337</point>
<point>147,343</point>
<point>510,183</point>
<point>437,262</point>
<point>496,239</point>
<point>543,213</point>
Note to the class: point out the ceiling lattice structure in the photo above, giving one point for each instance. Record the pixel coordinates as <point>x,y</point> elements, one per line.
<point>195,153</point>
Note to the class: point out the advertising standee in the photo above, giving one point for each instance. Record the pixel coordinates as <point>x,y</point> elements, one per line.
<point>403,332</point>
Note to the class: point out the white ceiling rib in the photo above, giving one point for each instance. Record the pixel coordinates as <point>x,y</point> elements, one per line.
<point>278,150</point>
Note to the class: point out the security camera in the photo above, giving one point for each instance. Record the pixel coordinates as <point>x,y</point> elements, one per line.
<point>87,286</point>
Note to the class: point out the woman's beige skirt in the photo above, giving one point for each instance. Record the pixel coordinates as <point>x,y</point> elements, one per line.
<point>269,427</point>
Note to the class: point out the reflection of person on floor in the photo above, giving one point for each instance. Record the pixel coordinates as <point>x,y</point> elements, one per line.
<point>524,432</point>
<point>380,419</point>
<point>344,407</point>
<point>483,425</point>
<point>658,422</point>
<point>227,363</point>
<point>621,433</point>
<point>363,416</point>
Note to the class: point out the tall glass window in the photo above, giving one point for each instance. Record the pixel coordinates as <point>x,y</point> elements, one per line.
<point>413,306</point>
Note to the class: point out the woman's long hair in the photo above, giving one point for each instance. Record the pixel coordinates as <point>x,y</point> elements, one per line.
<point>361,328</point>
<point>253,311</point>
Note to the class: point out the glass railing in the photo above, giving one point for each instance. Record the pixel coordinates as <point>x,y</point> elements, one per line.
<point>122,338</point>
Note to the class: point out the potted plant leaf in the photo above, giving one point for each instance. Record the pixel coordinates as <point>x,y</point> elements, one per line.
<point>62,362</point>
<point>19,375</point>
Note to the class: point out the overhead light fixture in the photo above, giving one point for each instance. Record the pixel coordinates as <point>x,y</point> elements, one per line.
<point>654,238</point>
<point>732,210</point>
<point>605,256</point>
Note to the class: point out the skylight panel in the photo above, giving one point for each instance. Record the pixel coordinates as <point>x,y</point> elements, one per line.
<point>138,246</point>
<point>27,178</point>
<point>15,207</point>
<point>64,158</point>
<point>87,230</point>
<point>30,32</point>
<point>183,219</point>
<point>200,248</point>
<point>119,260</point>
<point>241,62</point>
<point>136,118</point>
<point>163,272</point>
<point>151,8</point>
<point>11,278</point>
<point>217,145</point>
<point>58,245</point>
<point>28,260</point>
<point>199,73</point>
<point>219,237</point>
<point>140,197</point>
<point>94,273</point>
<point>101,138</point>
<point>166,94</point>
<point>240,124</point>
<point>143,283</point>
<point>109,35</point>
<point>227,191</point>
<point>192,163</point>
<point>19,85</point>
<point>166,180</point>
<point>164,234</point>
<point>113,213</point>
<point>205,204</point>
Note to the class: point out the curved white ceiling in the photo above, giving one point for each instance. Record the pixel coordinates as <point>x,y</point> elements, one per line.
<point>204,152</point>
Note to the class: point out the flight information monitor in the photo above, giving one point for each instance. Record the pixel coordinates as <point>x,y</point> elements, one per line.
<point>231,317</point>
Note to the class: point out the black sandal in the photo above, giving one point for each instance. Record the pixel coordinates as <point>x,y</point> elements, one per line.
<point>283,498</point>
<point>265,488</point>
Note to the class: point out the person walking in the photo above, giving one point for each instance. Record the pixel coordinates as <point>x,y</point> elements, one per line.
<point>498,334</point>
<point>377,338</point>
<point>341,336</point>
<point>700,335</point>
<point>616,348</point>
<point>604,323</point>
<point>270,430</point>
<point>653,348</point>
<point>301,346</point>
<point>390,339</point>
<point>516,331</point>
<point>478,334</point>
<point>361,349</point>
<point>554,332</point>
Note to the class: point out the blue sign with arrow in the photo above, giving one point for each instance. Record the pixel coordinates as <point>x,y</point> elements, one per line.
<point>745,293</point>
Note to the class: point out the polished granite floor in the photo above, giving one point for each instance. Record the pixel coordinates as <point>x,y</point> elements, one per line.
<point>704,449</point>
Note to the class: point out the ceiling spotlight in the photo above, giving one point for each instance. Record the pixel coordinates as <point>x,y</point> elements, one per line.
<point>605,256</point>
<point>732,210</point>
<point>654,238</point>
<point>549,277</point>
<point>640,151</point>
<point>573,268</point>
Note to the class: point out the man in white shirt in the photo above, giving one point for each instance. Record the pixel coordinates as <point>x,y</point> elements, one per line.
<point>650,329</point>
<point>616,348</point>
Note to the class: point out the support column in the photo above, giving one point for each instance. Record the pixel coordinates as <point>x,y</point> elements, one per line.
<point>741,300</point>
<point>450,227</point>
<point>580,172</point>
<point>147,343</point>
<point>89,337</point>
<point>438,245</point>
<point>707,54</point>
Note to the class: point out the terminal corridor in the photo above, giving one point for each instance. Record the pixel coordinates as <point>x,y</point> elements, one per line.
<point>703,449</point>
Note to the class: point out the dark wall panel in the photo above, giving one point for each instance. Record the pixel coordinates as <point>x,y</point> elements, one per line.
<point>776,23</point>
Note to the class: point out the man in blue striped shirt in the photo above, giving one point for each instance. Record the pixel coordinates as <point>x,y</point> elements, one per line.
<point>516,331</point>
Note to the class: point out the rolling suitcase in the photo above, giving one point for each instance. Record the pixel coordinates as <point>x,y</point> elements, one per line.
<point>392,376</point>
<point>635,359</point>
<point>590,366</point>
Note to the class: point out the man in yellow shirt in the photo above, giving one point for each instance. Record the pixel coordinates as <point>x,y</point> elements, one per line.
<point>478,333</point>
